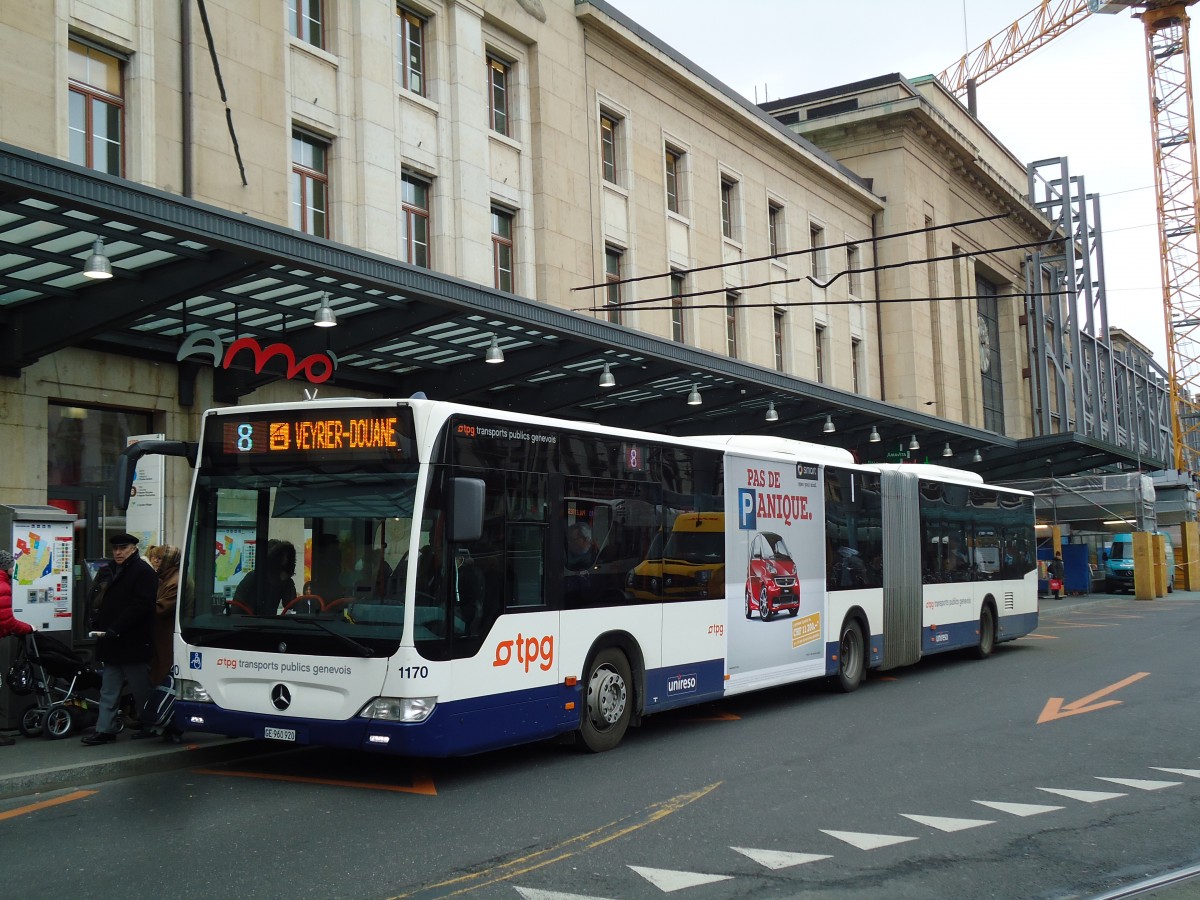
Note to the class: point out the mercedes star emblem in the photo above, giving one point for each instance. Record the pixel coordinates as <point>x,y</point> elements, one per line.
<point>281,697</point>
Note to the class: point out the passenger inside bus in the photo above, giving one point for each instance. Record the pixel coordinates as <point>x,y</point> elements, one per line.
<point>269,587</point>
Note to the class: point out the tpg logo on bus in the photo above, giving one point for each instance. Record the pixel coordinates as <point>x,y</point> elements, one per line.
<point>529,650</point>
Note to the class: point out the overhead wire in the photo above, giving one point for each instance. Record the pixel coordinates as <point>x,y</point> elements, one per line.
<point>674,298</point>
<point>803,252</point>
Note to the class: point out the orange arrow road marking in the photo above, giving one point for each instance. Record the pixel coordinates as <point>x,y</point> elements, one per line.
<point>1055,708</point>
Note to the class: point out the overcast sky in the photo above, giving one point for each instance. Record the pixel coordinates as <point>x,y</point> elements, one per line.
<point>1089,84</point>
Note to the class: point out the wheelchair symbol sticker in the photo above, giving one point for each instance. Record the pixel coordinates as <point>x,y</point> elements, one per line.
<point>196,660</point>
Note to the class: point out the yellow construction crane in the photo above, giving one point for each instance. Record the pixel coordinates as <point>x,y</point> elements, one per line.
<point>1173,131</point>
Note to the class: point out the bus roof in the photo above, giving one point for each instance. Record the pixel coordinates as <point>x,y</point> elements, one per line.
<point>767,443</point>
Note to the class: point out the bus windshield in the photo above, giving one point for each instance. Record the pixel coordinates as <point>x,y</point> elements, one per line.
<point>316,555</point>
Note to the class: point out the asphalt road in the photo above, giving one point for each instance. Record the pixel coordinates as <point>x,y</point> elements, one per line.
<point>932,781</point>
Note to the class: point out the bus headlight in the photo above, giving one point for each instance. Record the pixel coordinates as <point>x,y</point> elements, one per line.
<point>193,692</point>
<point>400,709</point>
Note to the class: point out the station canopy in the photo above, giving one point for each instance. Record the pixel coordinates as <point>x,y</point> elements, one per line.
<point>181,267</point>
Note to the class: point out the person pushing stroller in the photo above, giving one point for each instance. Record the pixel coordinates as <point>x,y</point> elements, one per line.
<point>9,624</point>
<point>124,626</point>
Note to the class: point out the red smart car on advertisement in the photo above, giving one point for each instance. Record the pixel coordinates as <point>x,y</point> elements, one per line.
<point>771,584</point>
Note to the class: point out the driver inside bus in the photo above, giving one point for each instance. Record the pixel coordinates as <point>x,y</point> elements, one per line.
<point>581,552</point>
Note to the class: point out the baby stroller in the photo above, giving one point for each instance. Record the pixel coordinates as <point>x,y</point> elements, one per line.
<point>58,678</point>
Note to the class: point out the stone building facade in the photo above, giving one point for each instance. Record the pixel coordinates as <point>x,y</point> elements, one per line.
<point>547,149</point>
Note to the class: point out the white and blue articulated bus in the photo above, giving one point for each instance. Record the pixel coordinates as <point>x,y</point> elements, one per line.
<point>431,579</point>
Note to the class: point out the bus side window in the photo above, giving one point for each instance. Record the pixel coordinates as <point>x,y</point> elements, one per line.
<point>526,564</point>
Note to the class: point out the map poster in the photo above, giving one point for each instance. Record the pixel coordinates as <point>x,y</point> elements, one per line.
<point>43,560</point>
<point>144,518</point>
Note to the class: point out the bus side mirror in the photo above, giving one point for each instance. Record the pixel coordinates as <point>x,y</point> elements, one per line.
<point>466,522</point>
<point>127,464</point>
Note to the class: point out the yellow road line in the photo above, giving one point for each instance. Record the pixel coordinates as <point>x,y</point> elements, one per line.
<point>565,849</point>
<point>422,784</point>
<point>45,804</point>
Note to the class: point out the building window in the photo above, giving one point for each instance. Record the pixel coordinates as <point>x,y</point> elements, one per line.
<point>856,364</point>
<point>310,185</point>
<point>612,290</point>
<point>728,207</point>
<point>778,321</point>
<point>410,49</point>
<point>819,352</point>
<point>498,73</point>
<point>674,163</point>
<point>414,220</point>
<point>502,248</point>
<point>731,323</point>
<point>991,376</point>
<point>853,264</point>
<point>816,242</point>
<point>678,289</point>
<point>608,146</point>
<point>96,116</point>
<point>775,228</point>
<point>305,21</point>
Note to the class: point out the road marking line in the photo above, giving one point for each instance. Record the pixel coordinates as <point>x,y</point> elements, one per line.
<point>864,841</point>
<point>535,894</point>
<point>422,784</point>
<point>1085,796</point>
<point>718,716</point>
<point>1141,784</point>
<point>1191,773</point>
<point>942,823</point>
<point>1018,809</point>
<point>45,804</point>
<point>668,880</point>
<point>564,849</point>
<point>779,859</point>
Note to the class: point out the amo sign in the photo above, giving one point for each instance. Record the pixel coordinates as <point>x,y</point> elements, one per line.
<point>317,367</point>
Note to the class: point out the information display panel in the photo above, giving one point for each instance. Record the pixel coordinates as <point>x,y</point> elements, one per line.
<point>353,435</point>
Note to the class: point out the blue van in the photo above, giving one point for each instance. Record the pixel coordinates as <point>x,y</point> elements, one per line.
<point>1118,567</point>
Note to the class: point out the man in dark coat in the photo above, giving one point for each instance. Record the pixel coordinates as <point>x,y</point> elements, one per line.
<point>124,626</point>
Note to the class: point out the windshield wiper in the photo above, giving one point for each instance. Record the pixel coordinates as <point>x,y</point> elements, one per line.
<point>360,649</point>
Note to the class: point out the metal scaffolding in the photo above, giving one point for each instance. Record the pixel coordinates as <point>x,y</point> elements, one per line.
<point>1079,381</point>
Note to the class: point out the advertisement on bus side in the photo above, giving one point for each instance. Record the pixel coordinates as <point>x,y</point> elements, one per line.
<point>775,567</point>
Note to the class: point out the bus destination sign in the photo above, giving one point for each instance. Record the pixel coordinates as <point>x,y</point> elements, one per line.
<point>342,433</point>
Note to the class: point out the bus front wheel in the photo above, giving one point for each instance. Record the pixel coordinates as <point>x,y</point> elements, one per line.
<point>609,701</point>
<point>851,657</point>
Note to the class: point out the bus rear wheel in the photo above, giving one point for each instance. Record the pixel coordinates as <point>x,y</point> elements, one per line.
<point>851,657</point>
<point>987,633</point>
<point>609,705</point>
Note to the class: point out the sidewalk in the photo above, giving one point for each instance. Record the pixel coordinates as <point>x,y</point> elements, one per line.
<point>39,764</point>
